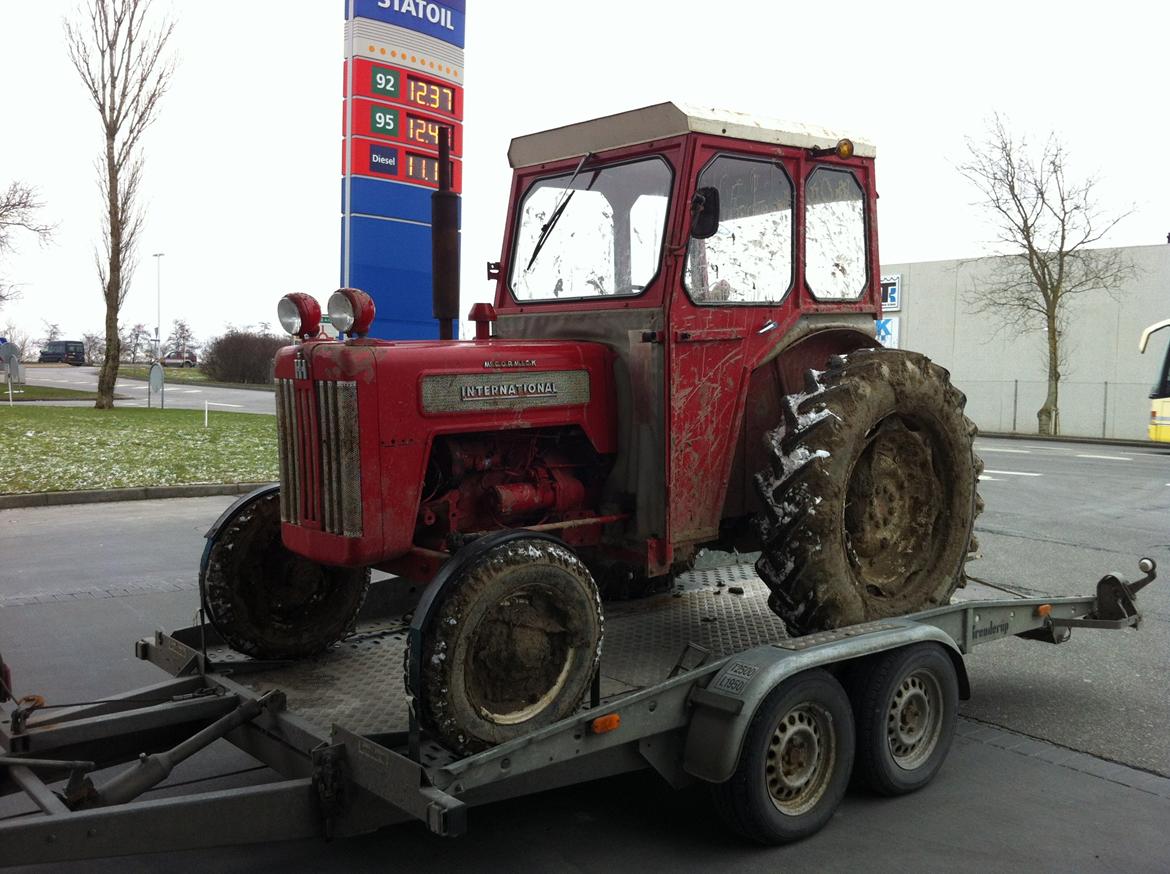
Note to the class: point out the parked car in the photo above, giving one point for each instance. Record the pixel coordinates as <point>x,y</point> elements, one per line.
<point>186,358</point>
<point>63,351</point>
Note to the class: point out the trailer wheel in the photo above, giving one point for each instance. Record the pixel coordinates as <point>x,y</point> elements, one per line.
<point>511,645</point>
<point>268,602</point>
<point>870,499</point>
<point>906,704</point>
<point>795,763</point>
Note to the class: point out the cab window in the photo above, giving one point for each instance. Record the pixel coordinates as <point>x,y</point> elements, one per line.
<point>598,234</point>
<point>834,231</point>
<point>749,259</point>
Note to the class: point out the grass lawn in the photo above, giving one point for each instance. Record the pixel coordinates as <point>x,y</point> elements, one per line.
<point>49,449</point>
<point>185,376</point>
<point>45,393</point>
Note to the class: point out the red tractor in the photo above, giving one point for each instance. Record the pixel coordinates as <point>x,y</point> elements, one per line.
<point>680,355</point>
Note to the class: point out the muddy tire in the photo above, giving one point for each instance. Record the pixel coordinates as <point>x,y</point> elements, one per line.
<point>795,763</point>
<point>871,498</point>
<point>268,602</point>
<point>511,646</point>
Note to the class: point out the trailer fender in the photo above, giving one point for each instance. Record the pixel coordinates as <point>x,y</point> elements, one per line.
<point>725,707</point>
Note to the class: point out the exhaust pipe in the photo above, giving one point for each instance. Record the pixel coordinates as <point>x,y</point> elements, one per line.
<point>445,243</point>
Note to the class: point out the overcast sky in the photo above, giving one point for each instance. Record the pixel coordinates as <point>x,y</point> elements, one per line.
<point>242,175</point>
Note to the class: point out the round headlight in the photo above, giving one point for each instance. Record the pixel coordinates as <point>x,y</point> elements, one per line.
<point>351,311</point>
<point>341,312</point>
<point>299,314</point>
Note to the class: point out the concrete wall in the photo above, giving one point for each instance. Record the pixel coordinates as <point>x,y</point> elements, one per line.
<point>1105,388</point>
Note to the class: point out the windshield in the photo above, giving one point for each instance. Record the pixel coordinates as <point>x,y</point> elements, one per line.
<point>607,239</point>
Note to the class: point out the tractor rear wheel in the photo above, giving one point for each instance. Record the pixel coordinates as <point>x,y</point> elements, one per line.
<point>268,602</point>
<point>510,645</point>
<point>870,498</point>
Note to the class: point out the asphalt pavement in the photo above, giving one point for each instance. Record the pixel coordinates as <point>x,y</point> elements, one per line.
<point>178,396</point>
<point>1061,761</point>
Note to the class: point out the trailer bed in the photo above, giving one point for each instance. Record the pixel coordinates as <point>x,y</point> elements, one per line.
<point>682,674</point>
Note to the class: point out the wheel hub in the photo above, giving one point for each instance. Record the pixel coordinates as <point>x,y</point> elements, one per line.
<point>520,657</point>
<point>799,759</point>
<point>894,497</point>
<point>914,720</point>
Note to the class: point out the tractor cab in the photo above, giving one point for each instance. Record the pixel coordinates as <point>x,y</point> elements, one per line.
<point>719,255</point>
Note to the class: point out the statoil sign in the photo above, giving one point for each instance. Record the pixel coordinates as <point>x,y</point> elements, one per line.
<point>403,91</point>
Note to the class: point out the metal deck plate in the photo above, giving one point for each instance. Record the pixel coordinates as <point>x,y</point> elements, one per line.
<point>359,683</point>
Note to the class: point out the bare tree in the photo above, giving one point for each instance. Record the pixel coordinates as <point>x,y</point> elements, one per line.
<point>126,69</point>
<point>94,345</point>
<point>1046,224</point>
<point>52,331</point>
<point>18,209</point>
<point>182,338</point>
<point>134,341</point>
<point>25,346</point>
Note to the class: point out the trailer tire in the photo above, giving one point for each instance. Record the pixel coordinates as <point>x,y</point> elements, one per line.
<point>795,762</point>
<point>511,645</point>
<point>906,704</point>
<point>268,602</point>
<point>871,496</point>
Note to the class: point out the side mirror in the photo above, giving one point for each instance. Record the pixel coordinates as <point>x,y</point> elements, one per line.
<point>705,213</point>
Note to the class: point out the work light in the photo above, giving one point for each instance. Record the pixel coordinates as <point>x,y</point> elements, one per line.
<point>351,311</point>
<point>299,314</point>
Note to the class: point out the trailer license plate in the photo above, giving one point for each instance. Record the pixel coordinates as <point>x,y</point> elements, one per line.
<point>735,677</point>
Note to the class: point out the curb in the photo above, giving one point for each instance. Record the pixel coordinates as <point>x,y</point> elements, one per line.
<point>1061,438</point>
<point>144,493</point>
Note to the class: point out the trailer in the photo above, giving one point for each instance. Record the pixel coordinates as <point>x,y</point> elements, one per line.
<point>701,683</point>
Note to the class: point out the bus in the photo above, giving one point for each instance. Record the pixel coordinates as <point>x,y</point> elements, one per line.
<point>1160,393</point>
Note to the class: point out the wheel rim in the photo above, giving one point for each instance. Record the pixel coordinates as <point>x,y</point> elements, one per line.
<point>520,656</point>
<point>894,496</point>
<point>799,762</point>
<point>914,720</point>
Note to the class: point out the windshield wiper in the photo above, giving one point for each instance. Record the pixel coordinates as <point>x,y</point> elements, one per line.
<point>562,202</point>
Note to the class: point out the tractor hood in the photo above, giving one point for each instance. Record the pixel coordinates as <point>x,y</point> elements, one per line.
<point>358,419</point>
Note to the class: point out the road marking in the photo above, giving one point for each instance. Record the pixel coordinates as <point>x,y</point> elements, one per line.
<point>213,404</point>
<point>1013,473</point>
<point>1107,457</point>
<point>994,479</point>
<point>192,391</point>
<point>993,449</point>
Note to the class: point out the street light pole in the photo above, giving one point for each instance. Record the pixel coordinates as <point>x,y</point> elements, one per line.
<point>158,302</point>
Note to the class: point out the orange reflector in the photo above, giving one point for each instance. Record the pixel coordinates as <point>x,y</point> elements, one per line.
<point>1044,611</point>
<point>602,724</point>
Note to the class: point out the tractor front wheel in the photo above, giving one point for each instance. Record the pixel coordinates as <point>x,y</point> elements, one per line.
<point>268,602</point>
<point>510,645</point>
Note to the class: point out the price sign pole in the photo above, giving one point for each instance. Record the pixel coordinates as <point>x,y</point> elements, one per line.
<point>403,85</point>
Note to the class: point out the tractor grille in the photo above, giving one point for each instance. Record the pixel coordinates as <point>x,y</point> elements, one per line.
<point>320,477</point>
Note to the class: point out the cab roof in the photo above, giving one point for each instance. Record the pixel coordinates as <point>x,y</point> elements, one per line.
<point>668,120</point>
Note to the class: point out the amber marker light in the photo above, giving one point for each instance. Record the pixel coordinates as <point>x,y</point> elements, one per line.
<point>844,149</point>
<point>607,723</point>
<point>1044,611</point>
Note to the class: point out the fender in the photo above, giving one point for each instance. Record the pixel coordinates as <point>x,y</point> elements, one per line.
<point>450,571</point>
<point>238,506</point>
<point>725,708</point>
